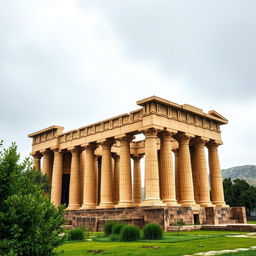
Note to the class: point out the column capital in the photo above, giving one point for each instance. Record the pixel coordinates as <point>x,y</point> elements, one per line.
<point>213,144</point>
<point>151,133</point>
<point>166,135</point>
<point>183,137</point>
<point>46,152</point>
<point>125,139</point>
<point>200,141</point>
<point>176,151</point>
<point>37,155</point>
<point>137,156</point>
<point>107,143</point>
<point>89,146</point>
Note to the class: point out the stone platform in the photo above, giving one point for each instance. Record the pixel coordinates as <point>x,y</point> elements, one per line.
<point>165,216</point>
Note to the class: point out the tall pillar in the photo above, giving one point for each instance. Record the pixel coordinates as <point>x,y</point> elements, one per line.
<point>106,192</point>
<point>89,197</point>
<point>74,187</point>
<point>215,174</point>
<point>125,175</point>
<point>167,175</point>
<point>96,169</point>
<point>37,161</point>
<point>186,179</point>
<point>56,178</point>
<point>201,173</point>
<point>177,175</point>
<point>46,168</point>
<point>116,178</point>
<point>137,193</point>
<point>194,174</point>
<point>151,169</point>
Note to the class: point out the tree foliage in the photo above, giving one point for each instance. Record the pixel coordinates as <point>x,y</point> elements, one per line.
<point>30,225</point>
<point>239,193</point>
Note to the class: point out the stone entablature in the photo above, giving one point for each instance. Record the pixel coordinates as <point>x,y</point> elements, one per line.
<point>156,112</point>
<point>96,159</point>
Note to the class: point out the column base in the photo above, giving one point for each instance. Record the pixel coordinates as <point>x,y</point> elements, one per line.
<point>105,205</point>
<point>220,203</point>
<point>152,202</point>
<point>187,203</point>
<point>124,204</point>
<point>206,204</point>
<point>73,207</point>
<point>88,206</point>
<point>171,202</point>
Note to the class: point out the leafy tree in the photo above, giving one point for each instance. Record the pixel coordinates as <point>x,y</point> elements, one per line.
<point>239,193</point>
<point>30,225</point>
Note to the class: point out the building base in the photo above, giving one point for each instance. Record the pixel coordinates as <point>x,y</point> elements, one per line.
<point>165,216</point>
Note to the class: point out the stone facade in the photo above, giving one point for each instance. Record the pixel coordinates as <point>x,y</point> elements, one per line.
<point>90,168</point>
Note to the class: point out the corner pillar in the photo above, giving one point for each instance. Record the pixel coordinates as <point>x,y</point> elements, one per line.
<point>215,174</point>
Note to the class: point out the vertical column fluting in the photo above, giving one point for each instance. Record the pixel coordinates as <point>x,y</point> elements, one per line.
<point>201,173</point>
<point>106,192</point>
<point>185,171</point>
<point>96,169</point>
<point>89,196</point>
<point>116,178</point>
<point>167,174</point>
<point>74,187</point>
<point>177,175</point>
<point>194,174</point>
<point>46,168</point>
<point>137,192</point>
<point>215,174</point>
<point>125,175</point>
<point>152,191</point>
<point>56,178</point>
<point>37,161</point>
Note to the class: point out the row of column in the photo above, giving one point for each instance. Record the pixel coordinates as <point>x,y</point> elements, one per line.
<point>186,184</point>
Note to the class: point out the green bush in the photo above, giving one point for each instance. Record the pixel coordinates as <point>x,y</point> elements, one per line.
<point>76,234</point>
<point>108,227</point>
<point>114,238</point>
<point>116,229</point>
<point>130,233</point>
<point>152,231</point>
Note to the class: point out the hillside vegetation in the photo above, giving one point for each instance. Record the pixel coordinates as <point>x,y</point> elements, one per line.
<point>245,172</point>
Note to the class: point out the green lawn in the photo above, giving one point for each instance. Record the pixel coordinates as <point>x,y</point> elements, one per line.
<point>172,244</point>
<point>251,222</point>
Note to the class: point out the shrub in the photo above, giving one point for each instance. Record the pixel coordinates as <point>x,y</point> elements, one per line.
<point>116,229</point>
<point>108,227</point>
<point>114,237</point>
<point>76,234</point>
<point>152,231</point>
<point>130,233</point>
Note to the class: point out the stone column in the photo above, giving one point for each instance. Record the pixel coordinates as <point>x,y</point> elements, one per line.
<point>177,175</point>
<point>185,171</point>
<point>125,175</point>
<point>89,196</point>
<point>96,178</point>
<point>37,161</point>
<point>194,173</point>
<point>74,187</point>
<point>167,175</point>
<point>56,178</point>
<point>137,193</point>
<point>46,168</point>
<point>201,173</point>
<point>215,174</point>
<point>151,169</point>
<point>116,178</point>
<point>106,192</point>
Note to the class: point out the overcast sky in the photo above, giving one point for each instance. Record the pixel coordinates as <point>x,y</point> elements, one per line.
<point>73,63</point>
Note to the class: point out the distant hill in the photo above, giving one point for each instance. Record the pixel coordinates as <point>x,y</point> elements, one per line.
<point>245,172</point>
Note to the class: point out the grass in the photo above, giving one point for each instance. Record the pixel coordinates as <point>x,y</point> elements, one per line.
<point>245,253</point>
<point>251,222</point>
<point>171,245</point>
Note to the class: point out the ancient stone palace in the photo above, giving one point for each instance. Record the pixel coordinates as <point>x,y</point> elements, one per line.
<point>96,169</point>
